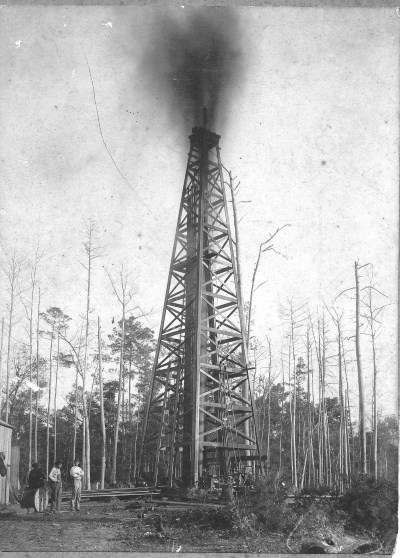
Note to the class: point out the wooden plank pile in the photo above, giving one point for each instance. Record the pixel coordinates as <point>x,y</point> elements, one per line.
<point>146,491</point>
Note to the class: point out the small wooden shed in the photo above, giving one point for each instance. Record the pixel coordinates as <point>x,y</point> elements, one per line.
<point>5,447</point>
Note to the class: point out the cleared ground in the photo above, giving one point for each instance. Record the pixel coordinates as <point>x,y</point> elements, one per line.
<point>150,526</point>
<point>112,527</point>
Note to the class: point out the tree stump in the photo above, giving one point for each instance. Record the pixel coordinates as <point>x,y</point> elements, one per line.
<point>227,493</point>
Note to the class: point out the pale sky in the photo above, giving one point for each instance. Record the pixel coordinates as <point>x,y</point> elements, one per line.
<point>310,127</point>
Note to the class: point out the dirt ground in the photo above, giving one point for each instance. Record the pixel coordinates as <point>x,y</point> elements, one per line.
<point>144,526</point>
<point>112,527</point>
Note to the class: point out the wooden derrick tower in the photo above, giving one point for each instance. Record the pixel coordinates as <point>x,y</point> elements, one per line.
<point>200,415</point>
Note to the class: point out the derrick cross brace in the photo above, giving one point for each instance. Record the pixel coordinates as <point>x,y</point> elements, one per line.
<point>200,390</point>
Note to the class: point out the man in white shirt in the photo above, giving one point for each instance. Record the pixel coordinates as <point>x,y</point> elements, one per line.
<point>77,476</point>
<point>56,487</point>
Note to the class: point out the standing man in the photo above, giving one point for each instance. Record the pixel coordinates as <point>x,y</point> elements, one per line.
<point>77,476</point>
<point>56,487</point>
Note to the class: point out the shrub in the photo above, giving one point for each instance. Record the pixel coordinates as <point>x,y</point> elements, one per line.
<point>320,490</point>
<point>197,494</point>
<point>271,509</point>
<point>370,505</point>
<point>270,514</point>
<point>220,518</point>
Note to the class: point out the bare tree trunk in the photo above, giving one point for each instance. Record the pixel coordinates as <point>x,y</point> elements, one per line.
<point>346,466</point>
<point>103,425</point>
<point>86,429</point>
<point>135,446</point>
<point>372,315</point>
<point>75,416</point>
<point>130,419</point>
<point>37,374</point>
<point>87,423</point>
<point>55,398</point>
<point>264,247</point>
<point>91,396</point>
<point>324,450</point>
<point>124,297</point>
<point>295,481</point>
<point>12,271</point>
<point>346,444</point>
<point>1,362</point>
<point>238,257</point>
<point>33,274</point>
<point>324,413</point>
<point>121,370</point>
<point>341,419</point>
<point>362,434</point>
<point>281,421</point>
<point>87,441</point>
<point>291,413</point>
<point>49,402</point>
<point>349,426</point>
<point>269,406</point>
<point>337,319</point>
<point>78,368</point>
<point>84,415</point>
<point>375,425</point>
<point>246,334</point>
<point>328,446</point>
<point>320,430</point>
<point>310,424</point>
<point>10,325</point>
<point>295,319</point>
<point>262,416</point>
<point>314,472</point>
<point>320,453</point>
<point>252,294</point>
<point>123,425</point>
<point>30,377</point>
<point>92,251</point>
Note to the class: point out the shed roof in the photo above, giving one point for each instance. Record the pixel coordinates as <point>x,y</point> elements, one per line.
<point>2,423</point>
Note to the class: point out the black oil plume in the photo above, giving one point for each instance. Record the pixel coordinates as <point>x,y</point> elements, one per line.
<point>193,58</point>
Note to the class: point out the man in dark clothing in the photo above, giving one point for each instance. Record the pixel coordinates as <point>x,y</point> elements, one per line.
<point>35,493</point>
<point>36,476</point>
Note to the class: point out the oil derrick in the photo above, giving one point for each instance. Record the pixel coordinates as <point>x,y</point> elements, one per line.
<point>200,415</point>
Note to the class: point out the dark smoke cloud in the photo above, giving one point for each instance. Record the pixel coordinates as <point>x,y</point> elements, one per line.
<point>193,55</point>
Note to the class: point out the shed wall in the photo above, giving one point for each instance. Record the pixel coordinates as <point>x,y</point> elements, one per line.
<point>5,447</point>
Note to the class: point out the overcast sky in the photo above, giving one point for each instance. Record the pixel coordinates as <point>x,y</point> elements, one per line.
<point>309,126</point>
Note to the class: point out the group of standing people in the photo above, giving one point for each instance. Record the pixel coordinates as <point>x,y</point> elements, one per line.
<point>36,479</point>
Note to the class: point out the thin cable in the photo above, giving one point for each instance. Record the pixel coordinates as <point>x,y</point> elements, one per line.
<point>108,151</point>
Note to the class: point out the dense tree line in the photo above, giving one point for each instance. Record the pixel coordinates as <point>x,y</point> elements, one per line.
<point>314,429</point>
<point>308,421</point>
<point>60,432</point>
<point>322,445</point>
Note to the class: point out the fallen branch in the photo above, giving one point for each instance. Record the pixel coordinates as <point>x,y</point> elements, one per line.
<point>294,529</point>
<point>376,549</point>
